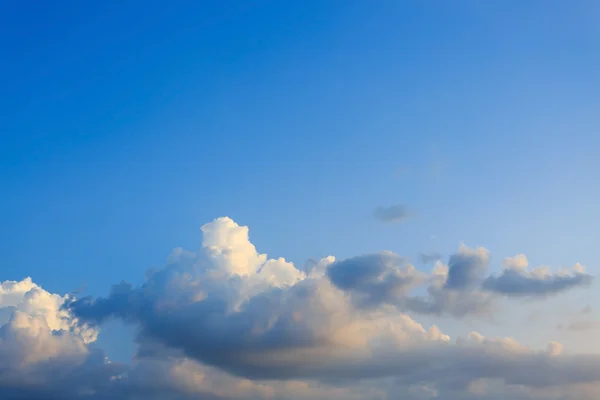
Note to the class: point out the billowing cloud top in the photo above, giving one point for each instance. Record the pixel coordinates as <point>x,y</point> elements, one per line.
<point>45,351</point>
<point>228,322</point>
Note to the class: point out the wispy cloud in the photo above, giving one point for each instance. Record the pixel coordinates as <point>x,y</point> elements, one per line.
<point>583,325</point>
<point>394,213</point>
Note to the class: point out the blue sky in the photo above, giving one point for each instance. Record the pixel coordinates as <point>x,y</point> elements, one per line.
<point>127,125</point>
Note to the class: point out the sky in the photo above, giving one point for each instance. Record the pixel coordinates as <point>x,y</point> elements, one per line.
<point>299,200</point>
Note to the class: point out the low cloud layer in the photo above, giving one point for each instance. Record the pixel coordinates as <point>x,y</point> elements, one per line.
<point>227,322</point>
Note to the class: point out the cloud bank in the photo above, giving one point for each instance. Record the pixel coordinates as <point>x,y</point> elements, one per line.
<point>227,322</point>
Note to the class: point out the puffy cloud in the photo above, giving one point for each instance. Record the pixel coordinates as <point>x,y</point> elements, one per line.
<point>467,268</point>
<point>519,262</point>
<point>25,298</point>
<point>454,289</point>
<point>318,268</point>
<point>385,278</point>
<point>375,278</point>
<point>227,249</point>
<point>518,280</point>
<point>443,301</point>
<point>44,350</point>
<point>395,213</point>
<point>227,322</point>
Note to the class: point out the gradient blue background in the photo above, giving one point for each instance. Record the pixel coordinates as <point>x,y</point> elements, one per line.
<point>127,125</point>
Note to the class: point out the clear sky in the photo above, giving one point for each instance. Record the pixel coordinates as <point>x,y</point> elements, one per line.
<point>327,127</point>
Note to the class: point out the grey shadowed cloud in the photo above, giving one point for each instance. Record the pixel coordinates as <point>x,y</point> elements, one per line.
<point>394,213</point>
<point>515,283</point>
<point>458,289</point>
<point>518,280</point>
<point>467,268</point>
<point>374,278</point>
<point>442,301</point>
<point>383,279</point>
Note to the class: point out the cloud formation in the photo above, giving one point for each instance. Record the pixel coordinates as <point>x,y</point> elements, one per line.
<point>227,322</point>
<point>375,278</point>
<point>394,213</point>
<point>44,351</point>
<point>387,279</point>
<point>518,280</point>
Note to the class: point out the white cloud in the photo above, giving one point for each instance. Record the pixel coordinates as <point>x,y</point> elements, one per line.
<point>27,298</point>
<point>44,351</point>
<point>519,262</point>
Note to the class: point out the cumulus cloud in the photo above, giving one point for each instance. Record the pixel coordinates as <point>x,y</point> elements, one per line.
<point>28,298</point>
<point>375,278</point>
<point>228,322</point>
<point>443,300</point>
<point>385,278</point>
<point>467,268</point>
<point>518,280</point>
<point>455,288</point>
<point>395,213</point>
<point>44,349</point>
<point>460,288</point>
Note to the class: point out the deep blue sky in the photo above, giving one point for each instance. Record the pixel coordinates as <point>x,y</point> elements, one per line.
<point>127,125</point>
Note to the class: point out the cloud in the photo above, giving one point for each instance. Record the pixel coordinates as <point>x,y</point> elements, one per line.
<point>467,268</point>
<point>395,213</point>
<point>375,278</point>
<point>518,280</point>
<point>459,288</point>
<point>441,300</point>
<point>44,350</point>
<point>386,279</point>
<point>428,258</point>
<point>454,289</point>
<point>228,322</point>
<point>518,262</point>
